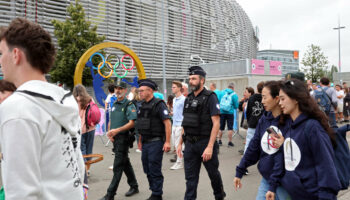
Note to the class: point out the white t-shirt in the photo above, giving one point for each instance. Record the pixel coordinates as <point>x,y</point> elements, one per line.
<point>340,93</point>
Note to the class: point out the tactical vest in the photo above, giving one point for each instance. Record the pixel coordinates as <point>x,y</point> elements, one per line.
<point>197,119</point>
<point>148,121</point>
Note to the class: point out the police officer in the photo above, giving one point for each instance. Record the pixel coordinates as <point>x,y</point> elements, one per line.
<point>123,115</point>
<point>201,125</point>
<point>153,123</point>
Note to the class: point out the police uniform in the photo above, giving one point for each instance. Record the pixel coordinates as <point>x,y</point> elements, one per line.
<point>197,124</point>
<point>121,112</point>
<point>152,129</point>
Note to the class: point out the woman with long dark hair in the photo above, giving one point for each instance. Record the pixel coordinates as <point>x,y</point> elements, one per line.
<point>261,147</point>
<point>310,172</point>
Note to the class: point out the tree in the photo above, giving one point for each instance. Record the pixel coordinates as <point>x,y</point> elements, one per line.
<point>315,63</point>
<point>331,71</point>
<point>74,37</point>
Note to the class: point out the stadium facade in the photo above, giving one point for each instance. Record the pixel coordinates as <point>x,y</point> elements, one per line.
<point>214,30</point>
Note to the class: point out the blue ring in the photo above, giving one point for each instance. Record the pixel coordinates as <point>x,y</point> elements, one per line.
<point>103,59</point>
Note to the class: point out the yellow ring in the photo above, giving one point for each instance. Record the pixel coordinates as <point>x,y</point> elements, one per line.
<point>99,70</point>
<point>78,74</point>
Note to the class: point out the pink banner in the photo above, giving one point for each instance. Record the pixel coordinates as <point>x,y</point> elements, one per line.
<point>258,66</point>
<point>275,68</point>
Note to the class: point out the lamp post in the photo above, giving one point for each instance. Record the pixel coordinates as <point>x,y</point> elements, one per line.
<point>338,28</point>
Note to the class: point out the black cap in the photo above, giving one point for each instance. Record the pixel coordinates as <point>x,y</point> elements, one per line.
<point>121,84</point>
<point>148,83</point>
<point>196,70</point>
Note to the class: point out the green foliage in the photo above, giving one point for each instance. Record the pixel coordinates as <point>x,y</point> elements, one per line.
<point>74,37</point>
<point>329,73</point>
<point>315,63</point>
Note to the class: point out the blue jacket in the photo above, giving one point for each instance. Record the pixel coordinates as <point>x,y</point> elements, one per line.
<point>234,100</point>
<point>259,149</point>
<point>308,156</point>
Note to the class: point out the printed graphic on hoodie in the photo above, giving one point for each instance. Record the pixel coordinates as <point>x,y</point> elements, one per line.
<point>257,109</point>
<point>267,142</point>
<point>292,155</point>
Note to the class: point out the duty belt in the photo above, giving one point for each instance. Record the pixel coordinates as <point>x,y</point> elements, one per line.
<point>194,139</point>
<point>153,139</point>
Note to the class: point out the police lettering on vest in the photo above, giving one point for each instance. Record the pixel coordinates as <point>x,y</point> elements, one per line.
<point>149,122</point>
<point>197,115</point>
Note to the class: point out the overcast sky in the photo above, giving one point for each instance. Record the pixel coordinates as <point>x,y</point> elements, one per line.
<point>295,24</point>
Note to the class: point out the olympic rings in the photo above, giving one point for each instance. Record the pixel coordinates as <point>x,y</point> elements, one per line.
<point>101,56</point>
<point>117,75</point>
<point>113,69</point>
<point>109,66</point>
<point>133,63</point>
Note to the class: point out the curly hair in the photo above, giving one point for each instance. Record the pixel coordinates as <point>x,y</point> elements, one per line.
<point>33,40</point>
<point>297,90</point>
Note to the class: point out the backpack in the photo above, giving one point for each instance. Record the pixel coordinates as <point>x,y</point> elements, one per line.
<point>226,102</point>
<point>341,155</point>
<point>92,115</point>
<point>323,100</point>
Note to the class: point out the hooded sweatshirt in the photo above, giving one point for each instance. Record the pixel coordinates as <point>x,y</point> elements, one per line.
<point>259,149</point>
<point>40,160</point>
<point>308,156</point>
<point>234,101</point>
<point>254,110</point>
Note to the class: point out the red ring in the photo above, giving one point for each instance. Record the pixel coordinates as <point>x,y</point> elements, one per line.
<point>122,63</point>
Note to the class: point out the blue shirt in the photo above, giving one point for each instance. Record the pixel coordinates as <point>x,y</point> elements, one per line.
<point>178,107</point>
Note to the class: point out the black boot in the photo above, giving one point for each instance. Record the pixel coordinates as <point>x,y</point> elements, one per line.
<point>155,197</point>
<point>106,197</point>
<point>132,191</point>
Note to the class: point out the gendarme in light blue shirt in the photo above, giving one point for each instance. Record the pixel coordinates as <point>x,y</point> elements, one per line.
<point>178,107</point>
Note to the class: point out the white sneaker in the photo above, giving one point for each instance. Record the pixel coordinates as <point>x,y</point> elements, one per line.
<point>176,166</point>
<point>138,151</point>
<point>110,167</point>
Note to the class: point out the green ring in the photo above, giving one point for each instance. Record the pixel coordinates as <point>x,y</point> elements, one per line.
<point>115,73</point>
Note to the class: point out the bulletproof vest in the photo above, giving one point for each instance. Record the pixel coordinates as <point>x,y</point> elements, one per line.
<point>148,121</point>
<point>197,118</point>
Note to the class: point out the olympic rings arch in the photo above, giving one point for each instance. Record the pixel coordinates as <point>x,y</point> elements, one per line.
<point>78,74</point>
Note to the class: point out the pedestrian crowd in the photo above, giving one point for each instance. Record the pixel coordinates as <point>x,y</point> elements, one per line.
<point>47,133</point>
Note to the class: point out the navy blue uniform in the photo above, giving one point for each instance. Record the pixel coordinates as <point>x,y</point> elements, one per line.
<point>152,152</point>
<point>194,148</point>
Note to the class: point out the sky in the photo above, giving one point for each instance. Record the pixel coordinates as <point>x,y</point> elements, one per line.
<point>296,24</point>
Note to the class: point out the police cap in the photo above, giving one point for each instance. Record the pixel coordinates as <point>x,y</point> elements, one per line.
<point>196,70</point>
<point>149,83</point>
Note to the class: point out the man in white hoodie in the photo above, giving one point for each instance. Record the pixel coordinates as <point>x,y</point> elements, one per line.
<point>39,123</point>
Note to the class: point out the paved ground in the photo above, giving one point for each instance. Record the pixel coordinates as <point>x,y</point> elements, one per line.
<point>174,184</point>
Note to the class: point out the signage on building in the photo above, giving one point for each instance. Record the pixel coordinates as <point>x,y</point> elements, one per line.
<point>275,68</point>
<point>258,66</point>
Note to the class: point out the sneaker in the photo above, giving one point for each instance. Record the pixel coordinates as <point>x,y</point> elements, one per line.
<point>230,144</point>
<point>176,166</point>
<point>138,151</point>
<point>346,120</point>
<point>106,197</point>
<point>241,152</point>
<point>246,172</point>
<point>110,167</point>
<point>220,142</point>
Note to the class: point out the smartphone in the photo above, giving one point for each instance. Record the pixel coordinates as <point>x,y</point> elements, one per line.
<point>272,131</point>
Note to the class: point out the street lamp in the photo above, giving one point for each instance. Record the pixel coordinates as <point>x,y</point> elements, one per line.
<point>338,28</point>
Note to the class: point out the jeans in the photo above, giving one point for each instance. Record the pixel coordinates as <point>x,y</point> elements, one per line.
<point>250,135</point>
<point>281,193</point>
<point>332,121</point>
<point>87,142</point>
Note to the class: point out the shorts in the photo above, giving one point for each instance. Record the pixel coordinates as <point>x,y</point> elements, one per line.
<point>229,119</point>
<point>340,108</point>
